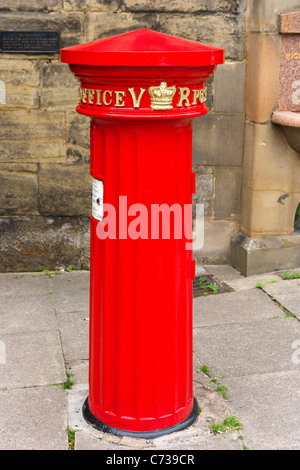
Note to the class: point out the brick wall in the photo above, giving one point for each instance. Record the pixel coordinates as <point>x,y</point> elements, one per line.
<point>45,188</point>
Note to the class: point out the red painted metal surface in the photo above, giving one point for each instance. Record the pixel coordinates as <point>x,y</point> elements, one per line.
<point>141,349</point>
<point>143,48</point>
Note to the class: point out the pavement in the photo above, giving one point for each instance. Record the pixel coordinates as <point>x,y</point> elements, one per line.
<point>246,365</point>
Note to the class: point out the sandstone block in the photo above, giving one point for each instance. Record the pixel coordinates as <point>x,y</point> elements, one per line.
<point>262,76</point>
<point>55,74</point>
<point>223,31</point>
<point>78,137</point>
<point>217,238</point>
<point>20,97</point>
<point>19,72</point>
<point>19,189</point>
<point>204,188</point>
<point>218,139</point>
<point>264,16</point>
<point>59,97</point>
<point>268,161</point>
<point>64,189</point>
<point>31,5</point>
<point>227,192</point>
<point>229,88</point>
<point>59,87</point>
<point>263,214</point>
<point>218,30</point>
<point>271,188</point>
<point>32,135</point>
<point>92,5</point>
<point>177,5</point>
<point>20,83</point>
<point>265,254</point>
<point>101,25</point>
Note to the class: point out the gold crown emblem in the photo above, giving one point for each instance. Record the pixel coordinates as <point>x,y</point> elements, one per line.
<point>162,96</point>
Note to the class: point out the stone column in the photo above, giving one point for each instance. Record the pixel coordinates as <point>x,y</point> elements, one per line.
<point>270,190</point>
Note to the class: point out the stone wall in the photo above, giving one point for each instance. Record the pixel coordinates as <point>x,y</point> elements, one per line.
<point>270,188</point>
<point>45,187</point>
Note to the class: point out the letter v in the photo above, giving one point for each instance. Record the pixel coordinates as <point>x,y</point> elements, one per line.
<point>136,101</point>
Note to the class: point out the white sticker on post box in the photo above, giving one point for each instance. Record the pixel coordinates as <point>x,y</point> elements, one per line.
<point>97,199</point>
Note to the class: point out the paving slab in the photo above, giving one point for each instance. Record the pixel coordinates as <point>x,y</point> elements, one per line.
<point>247,348</point>
<point>23,313</point>
<point>268,407</point>
<point>287,293</point>
<point>21,284</point>
<point>74,331</point>
<point>32,359</point>
<point>291,302</point>
<point>79,369</point>
<point>251,281</point>
<point>243,306</point>
<point>283,287</point>
<point>224,272</point>
<point>71,291</point>
<point>33,419</point>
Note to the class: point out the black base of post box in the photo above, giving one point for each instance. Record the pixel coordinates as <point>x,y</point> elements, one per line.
<point>100,426</point>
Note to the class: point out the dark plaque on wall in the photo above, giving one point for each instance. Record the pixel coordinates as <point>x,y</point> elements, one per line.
<point>29,42</point>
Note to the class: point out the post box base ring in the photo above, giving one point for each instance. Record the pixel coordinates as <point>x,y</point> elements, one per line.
<point>90,418</point>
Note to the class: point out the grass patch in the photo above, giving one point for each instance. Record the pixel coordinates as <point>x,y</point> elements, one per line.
<point>231,423</point>
<point>205,369</point>
<point>49,273</point>
<point>286,275</point>
<point>68,384</point>
<point>71,438</point>
<point>261,285</point>
<point>223,389</point>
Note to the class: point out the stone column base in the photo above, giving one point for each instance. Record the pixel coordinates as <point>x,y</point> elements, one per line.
<point>264,254</point>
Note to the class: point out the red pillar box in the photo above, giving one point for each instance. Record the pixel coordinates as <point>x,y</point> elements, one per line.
<point>142,90</point>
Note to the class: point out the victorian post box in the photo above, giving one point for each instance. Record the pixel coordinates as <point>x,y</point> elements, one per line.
<point>142,91</point>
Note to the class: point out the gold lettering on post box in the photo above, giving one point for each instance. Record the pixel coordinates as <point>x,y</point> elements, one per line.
<point>119,98</point>
<point>200,95</point>
<point>136,101</point>
<point>98,101</point>
<point>203,95</point>
<point>183,96</point>
<point>195,96</point>
<point>82,94</point>
<point>109,92</point>
<point>91,94</point>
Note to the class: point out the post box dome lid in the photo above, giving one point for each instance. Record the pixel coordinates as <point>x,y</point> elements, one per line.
<point>143,47</point>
